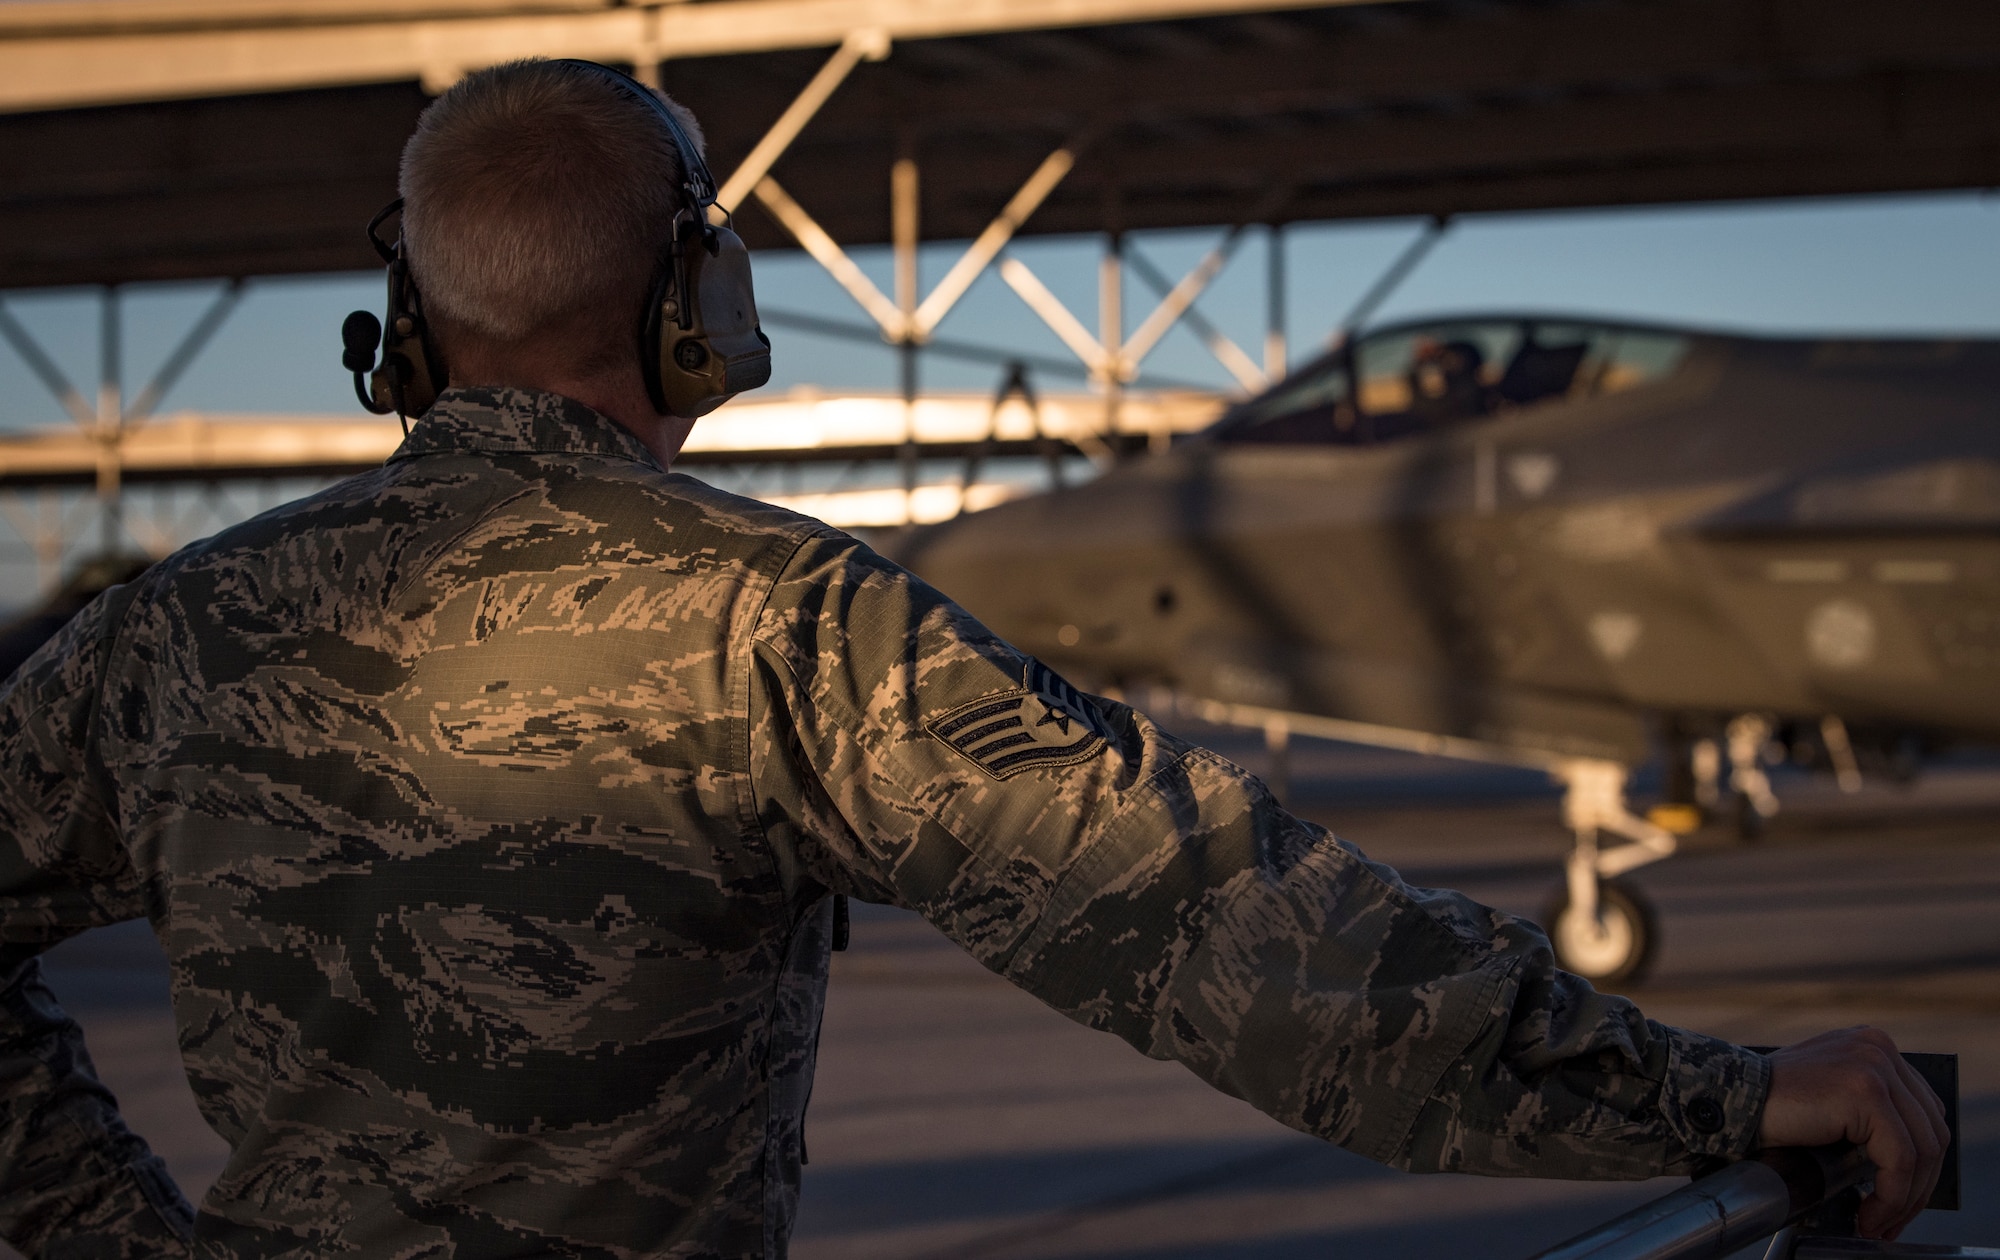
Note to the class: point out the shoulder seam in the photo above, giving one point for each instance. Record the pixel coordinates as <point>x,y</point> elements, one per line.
<point>811,530</point>
<point>111,636</point>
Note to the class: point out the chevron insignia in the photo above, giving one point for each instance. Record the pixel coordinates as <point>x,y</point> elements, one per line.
<point>1045,722</point>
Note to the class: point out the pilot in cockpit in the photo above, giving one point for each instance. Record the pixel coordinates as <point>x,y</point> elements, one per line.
<point>1445,382</point>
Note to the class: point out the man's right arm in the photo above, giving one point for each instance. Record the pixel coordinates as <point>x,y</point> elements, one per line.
<point>1153,890</point>
<point>903,754</point>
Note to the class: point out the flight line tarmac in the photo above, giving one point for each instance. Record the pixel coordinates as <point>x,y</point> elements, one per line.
<point>955,1118</point>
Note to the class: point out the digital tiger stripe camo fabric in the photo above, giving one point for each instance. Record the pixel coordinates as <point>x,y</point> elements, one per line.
<point>488,805</point>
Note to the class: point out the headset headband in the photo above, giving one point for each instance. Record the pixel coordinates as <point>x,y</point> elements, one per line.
<point>695,179</point>
<point>699,340</point>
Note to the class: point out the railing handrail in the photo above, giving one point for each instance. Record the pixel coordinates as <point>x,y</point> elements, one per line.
<point>1724,1211</point>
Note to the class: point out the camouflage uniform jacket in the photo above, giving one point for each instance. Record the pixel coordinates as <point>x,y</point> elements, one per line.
<point>488,804</point>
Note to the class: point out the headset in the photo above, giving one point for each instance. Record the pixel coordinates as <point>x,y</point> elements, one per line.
<point>700,343</point>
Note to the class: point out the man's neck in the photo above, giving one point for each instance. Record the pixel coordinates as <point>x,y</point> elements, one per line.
<point>619,394</point>
<point>663,435</point>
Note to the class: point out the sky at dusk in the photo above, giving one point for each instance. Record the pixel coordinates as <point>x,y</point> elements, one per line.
<point>1902,265</point>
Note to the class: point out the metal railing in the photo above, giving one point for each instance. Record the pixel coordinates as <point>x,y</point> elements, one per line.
<point>1804,1201</point>
<point>1724,1211</point>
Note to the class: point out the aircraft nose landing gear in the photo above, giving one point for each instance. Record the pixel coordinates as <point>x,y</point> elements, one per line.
<point>1603,928</point>
<point>1610,942</point>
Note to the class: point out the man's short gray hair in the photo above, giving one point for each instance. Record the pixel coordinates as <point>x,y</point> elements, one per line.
<point>537,198</point>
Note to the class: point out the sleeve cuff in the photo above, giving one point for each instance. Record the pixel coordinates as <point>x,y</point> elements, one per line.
<point>1712,1099</point>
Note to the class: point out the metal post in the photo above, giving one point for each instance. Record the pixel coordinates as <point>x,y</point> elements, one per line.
<point>907,353</point>
<point>903,231</point>
<point>1712,1217</point>
<point>1278,743</point>
<point>646,54</point>
<point>829,255</point>
<point>1111,327</point>
<point>893,321</point>
<point>51,540</point>
<point>1274,302</point>
<point>1031,290</point>
<point>110,422</point>
<point>903,212</point>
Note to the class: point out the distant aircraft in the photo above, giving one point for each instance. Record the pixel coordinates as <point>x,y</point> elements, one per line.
<point>1551,540</point>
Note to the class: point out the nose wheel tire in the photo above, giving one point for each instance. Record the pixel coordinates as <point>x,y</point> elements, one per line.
<point>1616,945</point>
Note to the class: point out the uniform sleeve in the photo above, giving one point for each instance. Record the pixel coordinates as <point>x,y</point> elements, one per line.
<point>73,1179</point>
<point>1151,889</point>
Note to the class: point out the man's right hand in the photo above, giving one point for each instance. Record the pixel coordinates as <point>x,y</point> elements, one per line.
<point>1852,1086</point>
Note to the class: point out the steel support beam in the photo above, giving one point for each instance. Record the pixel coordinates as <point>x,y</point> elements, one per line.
<point>988,244</point>
<point>1390,280</point>
<point>1274,302</point>
<point>1058,318</point>
<point>95,58</point>
<point>903,229</point>
<point>831,257</point>
<point>899,324</point>
<point>184,354</point>
<point>1176,300</point>
<point>1521,106</point>
<point>1177,306</point>
<point>44,367</point>
<point>110,425</point>
<point>863,45</point>
<point>1505,52</point>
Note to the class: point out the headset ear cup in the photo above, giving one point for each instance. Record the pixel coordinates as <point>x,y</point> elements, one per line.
<point>412,372</point>
<point>716,349</point>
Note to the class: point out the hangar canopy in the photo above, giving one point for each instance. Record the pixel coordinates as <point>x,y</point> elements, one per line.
<point>153,139</point>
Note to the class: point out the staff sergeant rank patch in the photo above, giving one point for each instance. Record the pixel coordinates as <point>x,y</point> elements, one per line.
<point>1045,723</point>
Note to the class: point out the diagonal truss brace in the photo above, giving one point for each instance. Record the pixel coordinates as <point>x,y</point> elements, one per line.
<point>898,323</point>
<point>987,246</point>
<point>184,354</point>
<point>835,260</point>
<point>1176,305</point>
<point>142,406</point>
<point>905,326</point>
<point>859,46</point>
<point>1389,281</point>
<point>916,327</point>
<point>45,369</point>
<point>1057,316</point>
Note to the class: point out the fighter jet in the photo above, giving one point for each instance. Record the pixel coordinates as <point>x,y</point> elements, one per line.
<point>1558,541</point>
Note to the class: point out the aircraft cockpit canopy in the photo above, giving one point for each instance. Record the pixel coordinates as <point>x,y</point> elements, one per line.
<point>1423,378</point>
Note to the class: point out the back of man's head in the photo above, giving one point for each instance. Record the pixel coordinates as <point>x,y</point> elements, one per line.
<point>538,197</point>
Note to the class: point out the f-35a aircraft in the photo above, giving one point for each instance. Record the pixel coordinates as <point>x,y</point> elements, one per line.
<point>1554,541</point>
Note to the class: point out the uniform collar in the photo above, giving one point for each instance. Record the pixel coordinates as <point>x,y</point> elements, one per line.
<point>497,419</point>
